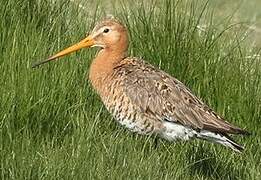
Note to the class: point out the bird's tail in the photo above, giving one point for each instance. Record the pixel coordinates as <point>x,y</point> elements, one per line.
<point>223,139</point>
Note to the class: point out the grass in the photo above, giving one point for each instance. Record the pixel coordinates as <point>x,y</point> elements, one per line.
<point>53,126</point>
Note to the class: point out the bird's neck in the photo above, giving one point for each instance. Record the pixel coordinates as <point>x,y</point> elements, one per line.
<point>103,65</point>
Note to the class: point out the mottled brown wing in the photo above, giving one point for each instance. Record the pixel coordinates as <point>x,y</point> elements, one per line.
<point>157,93</point>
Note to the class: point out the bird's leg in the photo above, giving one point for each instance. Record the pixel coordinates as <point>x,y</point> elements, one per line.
<point>156,143</point>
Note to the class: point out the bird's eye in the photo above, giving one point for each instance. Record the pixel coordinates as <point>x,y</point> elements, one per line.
<point>106,30</point>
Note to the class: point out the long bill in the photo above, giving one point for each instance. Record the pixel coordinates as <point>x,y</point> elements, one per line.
<point>85,43</point>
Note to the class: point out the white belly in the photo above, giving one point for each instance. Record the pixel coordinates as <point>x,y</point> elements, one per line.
<point>132,126</point>
<point>175,132</point>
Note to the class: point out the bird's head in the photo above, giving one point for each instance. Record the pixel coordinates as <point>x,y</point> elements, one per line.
<point>108,34</point>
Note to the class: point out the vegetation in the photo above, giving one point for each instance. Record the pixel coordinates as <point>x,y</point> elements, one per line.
<point>53,126</point>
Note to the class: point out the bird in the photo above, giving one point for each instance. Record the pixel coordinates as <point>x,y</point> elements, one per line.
<point>145,99</point>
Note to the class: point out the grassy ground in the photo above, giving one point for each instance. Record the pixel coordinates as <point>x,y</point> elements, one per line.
<point>53,126</point>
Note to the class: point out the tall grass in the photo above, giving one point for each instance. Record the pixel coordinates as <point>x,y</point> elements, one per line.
<point>53,126</point>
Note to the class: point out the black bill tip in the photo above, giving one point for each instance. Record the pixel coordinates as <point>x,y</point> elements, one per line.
<point>37,64</point>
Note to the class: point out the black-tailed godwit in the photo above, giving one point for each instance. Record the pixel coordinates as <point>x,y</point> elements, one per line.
<point>145,99</point>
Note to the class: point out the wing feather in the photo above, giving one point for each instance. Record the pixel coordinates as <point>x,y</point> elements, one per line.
<point>154,91</point>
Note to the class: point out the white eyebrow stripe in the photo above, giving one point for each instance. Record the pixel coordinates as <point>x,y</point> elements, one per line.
<point>100,31</point>
<point>95,34</point>
<point>105,27</point>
